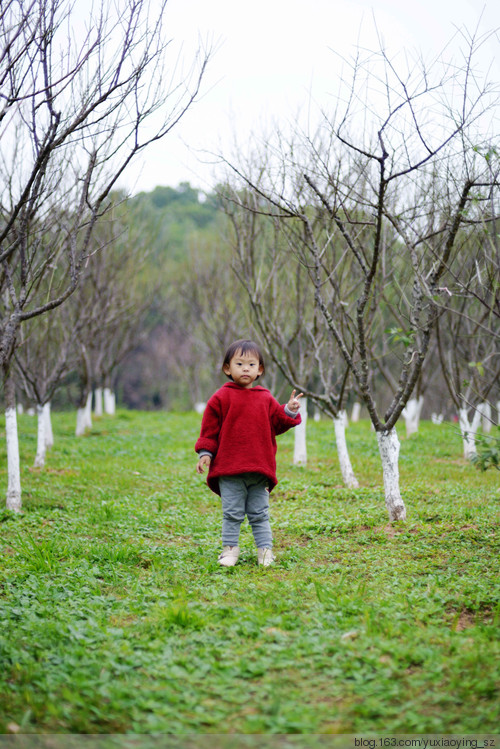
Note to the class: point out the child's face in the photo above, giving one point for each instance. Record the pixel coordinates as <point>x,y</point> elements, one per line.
<point>244,369</point>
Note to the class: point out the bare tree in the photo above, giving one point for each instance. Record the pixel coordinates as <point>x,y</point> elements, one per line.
<point>44,355</point>
<point>210,313</point>
<point>111,304</point>
<point>77,104</point>
<point>468,336</point>
<point>283,309</point>
<point>468,328</point>
<point>393,173</point>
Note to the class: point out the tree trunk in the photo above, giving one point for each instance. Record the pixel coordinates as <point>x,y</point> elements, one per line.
<point>388,444</point>
<point>80,422</point>
<point>300,446</point>
<point>88,411</point>
<point>49,434</point>
<point>356,411</point>
<point>109,402</point>
<point>84,417</point>
<point>41,445</point>
<point>348,476</point>
<point>13,499</point>
<point>498,413</point>
<point>468,431</point>
<point>486,417</point>
<point>98,401</point>
<point>411,414</point>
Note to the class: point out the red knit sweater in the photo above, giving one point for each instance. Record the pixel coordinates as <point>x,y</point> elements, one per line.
<point>239,428</point>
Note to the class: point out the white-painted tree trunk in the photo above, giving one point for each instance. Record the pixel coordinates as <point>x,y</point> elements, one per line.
<point>80,422</point>
<point>356,411</point>
<point>13,499</point>
<point>300,434</point>
<point>49,434</point>
<point>388,445</point>
<point>88,411</point>
<point>498,413</point>
<point>486,416</point>
<point>469,430</point>
<point>98,402</point>
<point>41,443</point>
<point>20,409</point>
<point>84,417</point>
<point>317,414</point>
<point>348,476</point>
<point>109,402</point>
<point>45,436</point>
<point>411,414</point>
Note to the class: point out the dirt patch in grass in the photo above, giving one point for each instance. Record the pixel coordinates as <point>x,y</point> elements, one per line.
<point>54,471</point>
<point>466,618</point>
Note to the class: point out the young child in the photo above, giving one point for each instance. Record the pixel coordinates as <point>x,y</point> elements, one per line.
<point>237,443</point>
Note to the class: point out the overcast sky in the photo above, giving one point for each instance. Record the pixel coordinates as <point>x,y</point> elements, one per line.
<point>274,58</point>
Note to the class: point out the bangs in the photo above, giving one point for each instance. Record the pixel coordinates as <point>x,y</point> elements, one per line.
<point>243,346</point>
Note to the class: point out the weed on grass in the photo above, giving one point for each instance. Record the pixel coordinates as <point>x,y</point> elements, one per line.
<point>116,618</point>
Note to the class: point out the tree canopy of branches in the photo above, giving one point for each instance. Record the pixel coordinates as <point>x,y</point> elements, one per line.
<point>78,101</point>
<point>385,188</point>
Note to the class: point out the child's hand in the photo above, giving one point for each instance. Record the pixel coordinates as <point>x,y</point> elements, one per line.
<point>294,403</point>
<point>203,461</point>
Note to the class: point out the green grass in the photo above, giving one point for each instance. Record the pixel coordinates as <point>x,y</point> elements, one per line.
<point>115,617</point>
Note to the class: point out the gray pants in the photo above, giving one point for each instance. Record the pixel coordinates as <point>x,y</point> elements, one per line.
<point>245,494</point>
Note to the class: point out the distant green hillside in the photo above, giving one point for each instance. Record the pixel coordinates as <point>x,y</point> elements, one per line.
<point>173,215</point>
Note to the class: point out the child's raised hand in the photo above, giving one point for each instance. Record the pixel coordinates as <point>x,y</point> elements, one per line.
<point>203,461</point>
<point>294,402</point>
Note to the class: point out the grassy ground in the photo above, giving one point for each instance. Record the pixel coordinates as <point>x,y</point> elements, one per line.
<point>115,617</point>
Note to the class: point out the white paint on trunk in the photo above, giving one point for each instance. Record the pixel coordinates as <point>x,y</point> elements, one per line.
<point>49,434</point>
<point>468,431</point>
<point>41,444</point>
<point>13,499</point>
<point>486,416</point>
<point>437,418</point>
<point>88,411</point>
<point>84,417</point>
<point>411,414</point>
<point>388,445</point>
<point>498,413</point>
<point>300,432</point>
<point>356,412</point>
<point>98,402</point>
<point>317,414</point>
<point>200,407</point>
<point>348,476</point>
<point>20,409</point>
<point>109,402</point>
<point>80,422</point>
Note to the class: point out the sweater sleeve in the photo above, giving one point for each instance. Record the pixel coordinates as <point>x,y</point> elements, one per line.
<point>210,427</point>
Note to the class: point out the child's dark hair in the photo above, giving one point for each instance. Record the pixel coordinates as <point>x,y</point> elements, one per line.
<point>244,346</point>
